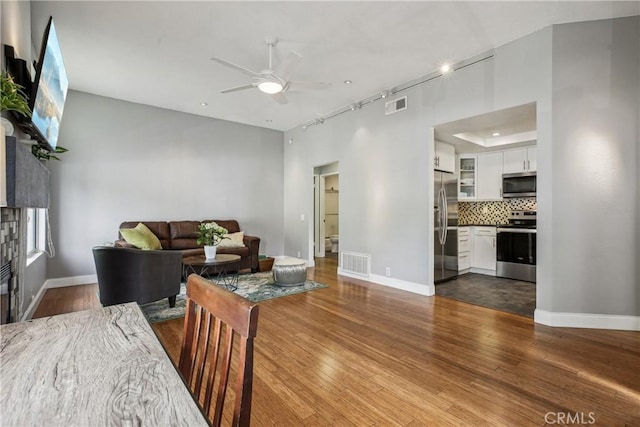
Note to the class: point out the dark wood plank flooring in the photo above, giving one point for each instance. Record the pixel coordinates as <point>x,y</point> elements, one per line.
<point>357,353</point>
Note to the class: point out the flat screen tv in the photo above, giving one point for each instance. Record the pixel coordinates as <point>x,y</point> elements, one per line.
<point>49,90</point>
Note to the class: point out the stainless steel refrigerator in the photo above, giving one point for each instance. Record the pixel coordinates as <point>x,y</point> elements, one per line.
<point>445,239</point>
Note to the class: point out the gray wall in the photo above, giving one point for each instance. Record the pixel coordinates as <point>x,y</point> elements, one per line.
<point>579,75</point>
<point>596,221</point>
<point>130,162</point>
<point>385,169</point>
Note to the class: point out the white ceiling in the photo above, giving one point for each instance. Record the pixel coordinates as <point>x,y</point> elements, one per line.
<point>516,127</point>
<point>158,52</point>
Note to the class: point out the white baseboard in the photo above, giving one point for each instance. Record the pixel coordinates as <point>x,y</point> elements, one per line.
<point>34,304</point>
<point>588,321</point>
<point>62,282</point>
<point>416,288</point>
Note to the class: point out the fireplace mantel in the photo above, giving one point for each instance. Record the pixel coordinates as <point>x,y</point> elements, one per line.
<point>27,179</point>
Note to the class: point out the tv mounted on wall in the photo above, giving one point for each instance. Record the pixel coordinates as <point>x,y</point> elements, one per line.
<point>49,90</point>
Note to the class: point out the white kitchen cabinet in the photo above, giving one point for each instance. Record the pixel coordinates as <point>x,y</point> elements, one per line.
<point>444,158</point>
<point>484,250</point>
<point>520,160</point>
<point>467,176</point>
<point>489,185</point>
<point>464,249</point>
<point>532,159</point>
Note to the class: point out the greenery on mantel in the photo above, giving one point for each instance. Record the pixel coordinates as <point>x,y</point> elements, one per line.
<point>12,98</point>
<point>43,154</point>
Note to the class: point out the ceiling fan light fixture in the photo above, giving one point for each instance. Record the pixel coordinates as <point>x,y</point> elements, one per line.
<point>270,87</point>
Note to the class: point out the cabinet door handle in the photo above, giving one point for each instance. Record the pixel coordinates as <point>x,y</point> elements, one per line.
<point>493,242</point>
<point>528,164</point>
<point>524,165</point>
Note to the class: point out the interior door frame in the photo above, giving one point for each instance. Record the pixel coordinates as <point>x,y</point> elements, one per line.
<point>318,216</point>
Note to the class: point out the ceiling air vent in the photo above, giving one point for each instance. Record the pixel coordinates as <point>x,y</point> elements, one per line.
<point>395,105</point>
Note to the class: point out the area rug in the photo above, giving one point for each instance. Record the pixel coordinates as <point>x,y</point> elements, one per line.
<point>255,287</point>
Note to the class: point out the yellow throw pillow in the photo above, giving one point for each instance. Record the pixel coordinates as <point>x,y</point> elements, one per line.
<point>235,240</point>
<point>141,237</point>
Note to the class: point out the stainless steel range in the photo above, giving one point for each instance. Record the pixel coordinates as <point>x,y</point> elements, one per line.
<point>516,247</point>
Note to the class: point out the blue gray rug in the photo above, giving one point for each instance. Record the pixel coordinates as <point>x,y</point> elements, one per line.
<point>255,287</point>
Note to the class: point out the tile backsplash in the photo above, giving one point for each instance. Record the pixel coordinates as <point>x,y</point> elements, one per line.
<point>492,213</point>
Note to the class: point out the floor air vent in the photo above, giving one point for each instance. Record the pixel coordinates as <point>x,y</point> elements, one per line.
<point>356,263</point>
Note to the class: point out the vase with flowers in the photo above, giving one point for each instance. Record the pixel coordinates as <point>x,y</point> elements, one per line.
<point>210,235</point>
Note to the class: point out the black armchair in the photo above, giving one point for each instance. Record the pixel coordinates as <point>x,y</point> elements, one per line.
<point>127,275</point>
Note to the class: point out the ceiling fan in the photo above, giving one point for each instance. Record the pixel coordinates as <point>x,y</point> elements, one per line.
<point>273,82</point>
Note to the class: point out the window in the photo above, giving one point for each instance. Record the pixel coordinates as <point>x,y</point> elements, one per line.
<point>32,230</point>
<point>36,221</point>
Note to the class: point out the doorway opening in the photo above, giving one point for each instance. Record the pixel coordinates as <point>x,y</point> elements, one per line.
<point>496,231</point>
<point>326,233</point>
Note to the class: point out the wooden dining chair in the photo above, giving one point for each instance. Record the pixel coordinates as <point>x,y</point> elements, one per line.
<point>213,317</point>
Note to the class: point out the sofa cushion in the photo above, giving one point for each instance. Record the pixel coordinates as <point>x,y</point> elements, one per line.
<point>184,234</point>
<point>141,237</point>
<point>159,228</point>
<point>233,240</point>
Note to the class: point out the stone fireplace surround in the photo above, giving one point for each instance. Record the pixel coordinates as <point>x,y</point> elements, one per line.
<point>12,251</point>
<point>26,186</point>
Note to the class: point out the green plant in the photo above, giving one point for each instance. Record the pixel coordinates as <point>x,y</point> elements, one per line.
<point>12,98</point>
<point>210,234</point>
<point>43,154</point>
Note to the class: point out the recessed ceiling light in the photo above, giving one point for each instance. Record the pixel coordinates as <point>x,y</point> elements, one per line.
<point>348,82</point>
<point>445,68</point>
<point>496,134</point>
<point>204,104</point>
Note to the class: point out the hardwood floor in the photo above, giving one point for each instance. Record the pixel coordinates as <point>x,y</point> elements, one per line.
<point>67,300</point>
<point>357,353</point>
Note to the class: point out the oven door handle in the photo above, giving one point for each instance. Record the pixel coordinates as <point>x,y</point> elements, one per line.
<point>517,230</point>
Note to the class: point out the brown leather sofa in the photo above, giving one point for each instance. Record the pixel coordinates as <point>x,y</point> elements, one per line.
<point>181,235</point>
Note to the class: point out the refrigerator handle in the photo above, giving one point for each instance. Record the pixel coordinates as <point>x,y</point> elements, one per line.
<point>440,208</point>
<point>443,216</point>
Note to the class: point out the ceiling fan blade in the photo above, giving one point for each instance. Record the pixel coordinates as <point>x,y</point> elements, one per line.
<point>286,67</point>
<point>279,97</point>
<point>235,67</point>
<point>308,85</point>
<point>243,87</point>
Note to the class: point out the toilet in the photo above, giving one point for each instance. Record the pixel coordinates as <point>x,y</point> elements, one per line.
<point>334,243</point>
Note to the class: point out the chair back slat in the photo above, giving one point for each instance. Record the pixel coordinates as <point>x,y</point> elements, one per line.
<point>213,317</point>
<point>224,376</point>
<point>214,362</point>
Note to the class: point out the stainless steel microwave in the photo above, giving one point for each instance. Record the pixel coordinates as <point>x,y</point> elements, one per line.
<point>521,184</point>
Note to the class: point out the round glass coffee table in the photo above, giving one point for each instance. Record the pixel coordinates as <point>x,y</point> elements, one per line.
<point>224,267</point>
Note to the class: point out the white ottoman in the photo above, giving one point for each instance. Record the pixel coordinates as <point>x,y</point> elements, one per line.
<point>289,272</point>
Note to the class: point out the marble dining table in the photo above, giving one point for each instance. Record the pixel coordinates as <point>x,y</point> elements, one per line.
<point>99,367</point>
